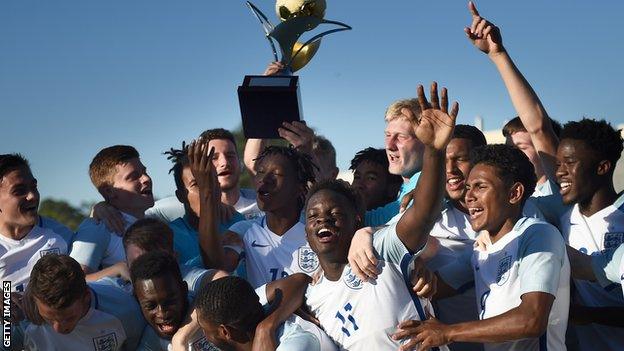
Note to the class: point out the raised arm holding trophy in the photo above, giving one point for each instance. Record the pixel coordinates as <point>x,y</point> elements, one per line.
<point>267,101</point>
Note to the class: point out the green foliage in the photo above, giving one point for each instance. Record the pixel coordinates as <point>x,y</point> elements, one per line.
<point>63,212</point>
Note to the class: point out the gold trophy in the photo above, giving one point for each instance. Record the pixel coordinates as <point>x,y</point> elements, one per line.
<point>267,101</point>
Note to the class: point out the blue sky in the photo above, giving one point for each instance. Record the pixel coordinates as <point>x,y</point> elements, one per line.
<point>80,75</point>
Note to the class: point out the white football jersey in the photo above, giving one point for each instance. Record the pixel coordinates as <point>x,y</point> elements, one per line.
<point>113,322</point>
<point>456,237</point>
<point>18,257</point>
<point>594,235</point>
<point>363,316</point>
<point>269,256</point>
<point>530,258</point>
<point>97,247</point>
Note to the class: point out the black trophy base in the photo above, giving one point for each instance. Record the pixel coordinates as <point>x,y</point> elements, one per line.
<point>266,102</point>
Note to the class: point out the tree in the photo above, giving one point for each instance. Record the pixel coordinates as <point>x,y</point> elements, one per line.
<point>62,211</point>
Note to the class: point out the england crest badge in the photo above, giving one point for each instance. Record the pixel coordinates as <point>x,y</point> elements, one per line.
<point>307,259</point>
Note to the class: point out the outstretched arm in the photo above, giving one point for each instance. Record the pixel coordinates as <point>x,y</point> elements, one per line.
<point>200,161</point>
<point>434,129</point>
<point>486,37</point>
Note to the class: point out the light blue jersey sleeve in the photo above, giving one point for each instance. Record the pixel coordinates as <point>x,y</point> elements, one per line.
<point>60,229</point>
<point>193,276</point>
<point>293,338</point>
<point>381,215</point>
<point>606,266</point>
<point>166,209</point>
<point>542,254</point>
<point>90,244</point>
<point>111,299</point>
<point>459,274</point>
<point>390,248</point>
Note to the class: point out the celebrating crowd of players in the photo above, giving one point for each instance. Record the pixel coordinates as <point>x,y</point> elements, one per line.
<point>497,247</point>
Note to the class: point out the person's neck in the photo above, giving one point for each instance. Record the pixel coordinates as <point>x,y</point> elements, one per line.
<point>14,232</point>
<point>192,220</point>
<point>280,223</point>
<point>603,197</point>
<point>504,228</point>
<point>460,205</point>
<point>230,196</point>
<point>333,270</point>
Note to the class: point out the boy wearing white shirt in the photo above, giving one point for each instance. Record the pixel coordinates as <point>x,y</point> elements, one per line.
<point>361,315</point>
<point>22,240</point>
<point>587,155</point>
<point>77,316</point>
<point>521,278</point>
<point>121,178</point>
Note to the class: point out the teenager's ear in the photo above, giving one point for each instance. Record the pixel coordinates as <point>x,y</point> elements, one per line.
<point>181,195</point>
<point>225,332</point>
<point>516,193</point>
<point>604,167</point>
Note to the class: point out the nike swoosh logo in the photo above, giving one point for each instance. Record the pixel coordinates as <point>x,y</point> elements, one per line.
<point>253,244</point>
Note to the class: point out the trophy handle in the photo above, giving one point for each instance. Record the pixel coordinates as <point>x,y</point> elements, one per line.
<point>319,36</point>
<point>266,25</point>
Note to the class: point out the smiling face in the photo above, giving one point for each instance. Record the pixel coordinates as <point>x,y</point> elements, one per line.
<point>132,187</point>
<point>331,222</point>
<point>370,179</point>
<point>403,149</point>
<point>457,168</point>
<point>577,171</point>
<point>226,163</point>
<point>19,200</point>
<point>64,320</point>
<point>276,184</point>
<point>163,302</point>
<point>189,196</point>
<point>490,201</point>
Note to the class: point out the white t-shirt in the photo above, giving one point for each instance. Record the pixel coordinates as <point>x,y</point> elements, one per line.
<point>530,258</point>
<point>18,257</point>
<point>169,208</point>
<point>594,235</point>
<point>269,256</point>
<point>362,316</point>
<point>113,322</point>
<point>96,247</point>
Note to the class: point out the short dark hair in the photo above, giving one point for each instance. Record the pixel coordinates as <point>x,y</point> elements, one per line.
<point>472,133</point>
<point>218,133</point>
<point>343,188</point>
<point>515,125</point>
<point>11,162</point>
<point>376,156</point>
<point>302,163</point>
<point>102,167</point>
<point>57,281</point>
<point>511,163</point>
<point>180,160</point>
<point>599,135</point>
<point>230,301</point>
<point>155,264</point>
<point>149,234</point>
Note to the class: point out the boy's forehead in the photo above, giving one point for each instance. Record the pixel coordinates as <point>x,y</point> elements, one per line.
<point>16,176</point>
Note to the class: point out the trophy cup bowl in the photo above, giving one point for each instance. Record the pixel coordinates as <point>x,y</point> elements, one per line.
<point>268,101</point>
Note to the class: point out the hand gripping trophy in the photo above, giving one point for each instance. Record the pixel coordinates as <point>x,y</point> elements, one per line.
<point>267,101</point>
